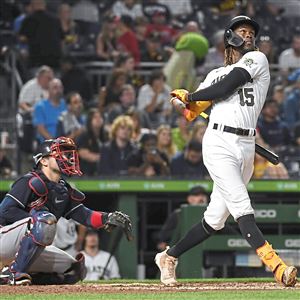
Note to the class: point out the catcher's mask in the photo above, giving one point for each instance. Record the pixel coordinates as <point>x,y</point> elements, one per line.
<point>64,151</point>
<point>233,39</point>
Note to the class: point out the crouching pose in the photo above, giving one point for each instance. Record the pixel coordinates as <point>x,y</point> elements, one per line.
<point>29,213</point>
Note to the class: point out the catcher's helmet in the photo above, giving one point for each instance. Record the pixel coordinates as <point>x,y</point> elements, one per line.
<point>230,37</point>
<point>64,151</point>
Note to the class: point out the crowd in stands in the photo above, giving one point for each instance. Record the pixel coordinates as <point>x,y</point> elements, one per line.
<point>127,127</point>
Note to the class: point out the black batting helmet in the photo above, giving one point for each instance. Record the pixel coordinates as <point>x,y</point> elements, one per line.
<point>232,39</point>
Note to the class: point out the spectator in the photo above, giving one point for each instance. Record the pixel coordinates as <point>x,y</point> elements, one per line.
<point>263,169</point>
<point>181,133</point>
<point>165,142</point>
<point>180,9</point>
<point>127,7</point>
<point>196,196</point>
<point>148,160</point>
<point>290,58</point>
<point>126,40</point>
<point>74,78</point>
<point>110,94</point>
<point>198,131</point>
<point>47,111</point>
<point>27,10</point>
<point>100,264</point>
<point>114,155</point>
<point>279,96</point>
<point>273,131</point>
<point>6,168</point>
<point>31,93</point>
<point>152,50</point>
<point>67,238</point>
<point>266,46</point>
<point>140,31</point>
<point>141,124</point>
<point>215,55</point>
<point>71,121</point>
<point>151,7</point>
<point>44,35</point>
<point>159,23</point>
<point>85,11</point>
<point>35,90</point>
<point>291,105</point>
<point>90,143</point>
<point>154,99</point>
<point>106,43</point>
<point>189,163</point>
<point>69,27</point>
<point>127,100</point>
<point>125,62</point>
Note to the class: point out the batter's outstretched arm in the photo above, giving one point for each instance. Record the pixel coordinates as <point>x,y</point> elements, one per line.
<point>224,88</point>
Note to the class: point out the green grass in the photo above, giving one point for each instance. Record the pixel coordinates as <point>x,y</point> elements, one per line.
<point>207,295</point>
<point>280,294</point>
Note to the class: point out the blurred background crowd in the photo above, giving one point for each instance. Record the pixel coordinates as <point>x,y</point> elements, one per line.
<point>100,71</point>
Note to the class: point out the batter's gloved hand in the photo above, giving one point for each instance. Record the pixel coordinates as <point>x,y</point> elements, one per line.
<point>180,94</point>
<point>121,220</point>
<point>191,110</point>
<point>194,109</point>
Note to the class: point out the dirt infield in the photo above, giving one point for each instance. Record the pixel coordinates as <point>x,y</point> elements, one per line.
<point>139,288</point>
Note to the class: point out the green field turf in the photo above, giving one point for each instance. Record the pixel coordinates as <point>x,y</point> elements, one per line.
<point>283,294</point>
<point>213,295</point>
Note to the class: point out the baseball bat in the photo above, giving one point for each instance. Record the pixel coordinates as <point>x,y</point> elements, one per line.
<point>267,154</point>
<point>272,157</point>
<point>116,240</point>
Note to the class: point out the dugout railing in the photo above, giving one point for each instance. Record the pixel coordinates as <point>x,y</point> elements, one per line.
<point>149,202</point>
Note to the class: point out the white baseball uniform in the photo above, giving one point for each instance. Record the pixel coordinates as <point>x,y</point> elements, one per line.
<point>96,264</point>
<point>66,236</point>
<point>229,157</point>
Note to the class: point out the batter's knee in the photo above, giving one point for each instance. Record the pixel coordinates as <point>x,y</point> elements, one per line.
<point>43,228</point>
<point>216,222</point>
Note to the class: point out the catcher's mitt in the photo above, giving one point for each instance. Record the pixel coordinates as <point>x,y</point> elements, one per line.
<point>119,219</point>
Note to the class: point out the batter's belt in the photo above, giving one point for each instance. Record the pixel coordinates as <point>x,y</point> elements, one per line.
<point>237,131</point>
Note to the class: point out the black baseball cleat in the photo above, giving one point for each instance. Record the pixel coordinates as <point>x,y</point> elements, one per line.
<point>14,278</point>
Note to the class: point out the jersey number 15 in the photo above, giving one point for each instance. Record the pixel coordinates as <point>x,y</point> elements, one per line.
<point>246,96</point>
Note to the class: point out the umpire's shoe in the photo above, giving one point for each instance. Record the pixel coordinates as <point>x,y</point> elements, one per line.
<point>9,278</point>
<point>167,266</point>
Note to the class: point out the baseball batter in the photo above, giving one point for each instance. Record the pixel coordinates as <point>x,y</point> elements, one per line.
<point>29,213</point>
<point>238,91</point>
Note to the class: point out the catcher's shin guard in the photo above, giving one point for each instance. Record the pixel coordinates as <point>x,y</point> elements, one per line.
<point>42,229</point>
<point>283,274</point>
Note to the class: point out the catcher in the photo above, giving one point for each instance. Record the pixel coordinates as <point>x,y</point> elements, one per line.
<point>29,213</point>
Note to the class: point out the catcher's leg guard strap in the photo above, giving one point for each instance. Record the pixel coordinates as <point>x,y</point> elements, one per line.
<point>42,232</point>
<point>197,234</point>
<point>250,231</point>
